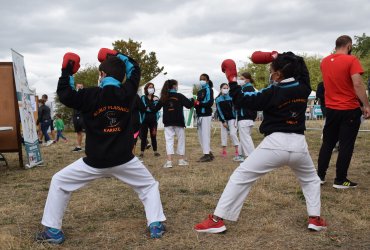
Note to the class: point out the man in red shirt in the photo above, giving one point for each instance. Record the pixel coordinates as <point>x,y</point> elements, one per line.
<point>344,91</point>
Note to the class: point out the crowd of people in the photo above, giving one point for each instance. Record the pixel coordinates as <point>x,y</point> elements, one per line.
<point>113,113</point>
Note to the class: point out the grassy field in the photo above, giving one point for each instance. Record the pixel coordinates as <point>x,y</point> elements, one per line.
<point>108,215</point>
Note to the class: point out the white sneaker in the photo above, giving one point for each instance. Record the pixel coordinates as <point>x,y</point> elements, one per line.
<point>168,164</point>
<point>182,162</point>
<point>48,143</point>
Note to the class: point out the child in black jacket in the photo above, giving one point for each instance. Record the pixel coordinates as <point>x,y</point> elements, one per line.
<point>203,107</point>
<point>246,119</point>
<point>106,111</point>
<point>227,116</point>
<point>174,122</point>
<point>284,105</point>
<point>149,118</point>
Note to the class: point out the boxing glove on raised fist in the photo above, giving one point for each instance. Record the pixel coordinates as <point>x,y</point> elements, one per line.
<point>228,66</point>
<point>104,53</point>
<point>259,57</point>
<point>71,63</point>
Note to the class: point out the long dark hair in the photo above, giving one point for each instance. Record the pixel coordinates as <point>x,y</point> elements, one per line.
<point>286,64</point>
<point>146,88</point>
<point>247,75</point>
<point>222,84</point>
<point>167,86</point>
<point>210,83</point>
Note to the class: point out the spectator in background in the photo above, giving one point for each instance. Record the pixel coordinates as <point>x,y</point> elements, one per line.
<point>78,124</point>
<point>344,88</point>
<point>52,132</point>
<point>44,120</point>
<point>150,118</point>
<point>203,108</point>
<point>59,125</point>
<point>320,95</point>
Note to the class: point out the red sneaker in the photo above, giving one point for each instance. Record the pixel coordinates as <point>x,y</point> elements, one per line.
<point>316,223</point>
<point>224,154</point>
<point>210,225</point>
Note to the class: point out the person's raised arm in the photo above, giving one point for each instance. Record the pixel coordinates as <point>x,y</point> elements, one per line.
<point>66,89</point>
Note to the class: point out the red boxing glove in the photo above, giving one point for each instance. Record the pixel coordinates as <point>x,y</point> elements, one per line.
<point>104,53</point>
<point>228,66</point>
<point>69,56</point>
<point>259,57</point>
<point>196,103</point>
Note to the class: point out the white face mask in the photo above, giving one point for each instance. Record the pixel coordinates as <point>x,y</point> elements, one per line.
<point>273,82</point>
<point>241,82</point>
<point>202,83</point>
<point>225,91</point>
<point>151,91</point>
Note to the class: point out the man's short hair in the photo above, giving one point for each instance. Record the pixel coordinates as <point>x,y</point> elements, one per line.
<point>44,96</point>
<point>342,41</point>
<point>114,67</point>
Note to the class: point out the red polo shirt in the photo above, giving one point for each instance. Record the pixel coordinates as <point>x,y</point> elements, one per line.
<point>337,70</point>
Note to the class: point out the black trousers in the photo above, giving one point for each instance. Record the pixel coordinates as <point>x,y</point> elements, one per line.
<point>342,126</point>
<point>152,127</point>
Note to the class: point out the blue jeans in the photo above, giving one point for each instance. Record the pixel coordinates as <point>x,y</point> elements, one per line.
<point>44,128</point>
<point>60,135</point>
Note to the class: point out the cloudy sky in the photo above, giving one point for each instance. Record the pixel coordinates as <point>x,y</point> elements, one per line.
<point>189,37</point>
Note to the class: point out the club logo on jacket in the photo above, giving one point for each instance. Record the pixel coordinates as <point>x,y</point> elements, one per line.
<point>112,116</point>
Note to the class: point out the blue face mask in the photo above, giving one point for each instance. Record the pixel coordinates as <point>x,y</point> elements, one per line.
<point>202,83</point>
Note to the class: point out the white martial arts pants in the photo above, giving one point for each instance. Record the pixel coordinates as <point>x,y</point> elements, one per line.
<point>233,133</point>
<point>260,162</point>
<point>169,134</point>
<point>246,145</point>
<point>78,174</point>
<point>204,133</point>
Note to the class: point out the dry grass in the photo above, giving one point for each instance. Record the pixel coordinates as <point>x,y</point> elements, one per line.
<point>108,215</point>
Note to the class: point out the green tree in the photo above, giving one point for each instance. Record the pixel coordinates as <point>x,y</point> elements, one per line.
<point>89,75</point>
<point>313,66</point>
<point>148,61</point>
<point>89,78</point>
<point>361,48</point>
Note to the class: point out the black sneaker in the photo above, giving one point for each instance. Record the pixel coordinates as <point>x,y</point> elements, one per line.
<point>344,184</point>
<point>205,158</point>
<point>211,155</point>
<point>148,146</point>
<point>156,154</point>
<point>77,149</point>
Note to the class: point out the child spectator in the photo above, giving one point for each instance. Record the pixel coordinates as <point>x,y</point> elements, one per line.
<point>203,107</point>
<point>59,125</point>
<point>174,121</point>
<point>227,115</point>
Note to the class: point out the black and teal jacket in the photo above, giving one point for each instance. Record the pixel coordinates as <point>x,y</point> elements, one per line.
<point>244,113</point>
<point>136,114</point>
<point>206,100</point>
<point>225,108</point>
<point>283,105</point>
<point>107,113</point>
<point>149,112</point>
<point>173,109</point>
